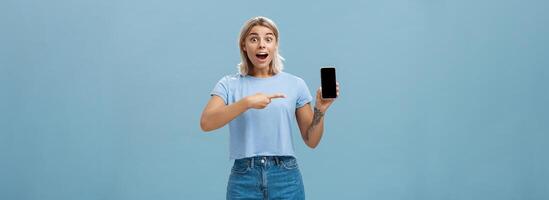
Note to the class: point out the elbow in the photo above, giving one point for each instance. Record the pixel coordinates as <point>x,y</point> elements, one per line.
<point>312,145</point>
<point>205,126</point>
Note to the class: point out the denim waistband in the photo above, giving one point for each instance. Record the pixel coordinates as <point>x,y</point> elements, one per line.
<point>263,160</point>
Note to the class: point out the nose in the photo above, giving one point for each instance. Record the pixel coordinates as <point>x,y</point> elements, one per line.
<point>262,44</point>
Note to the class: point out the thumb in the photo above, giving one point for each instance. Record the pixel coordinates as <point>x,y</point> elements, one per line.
<point>276,95</point>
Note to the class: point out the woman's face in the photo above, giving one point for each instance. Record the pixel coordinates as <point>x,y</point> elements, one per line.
<point>260,45</point>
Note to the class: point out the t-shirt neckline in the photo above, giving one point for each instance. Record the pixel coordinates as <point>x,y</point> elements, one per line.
<point>266,78</point>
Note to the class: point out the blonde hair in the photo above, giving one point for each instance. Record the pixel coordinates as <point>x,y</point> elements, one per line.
<point>245,64</point>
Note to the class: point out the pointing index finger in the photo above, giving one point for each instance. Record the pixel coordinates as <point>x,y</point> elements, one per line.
<point>277,95</point>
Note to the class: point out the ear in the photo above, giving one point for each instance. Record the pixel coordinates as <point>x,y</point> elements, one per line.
<point>244,47</point>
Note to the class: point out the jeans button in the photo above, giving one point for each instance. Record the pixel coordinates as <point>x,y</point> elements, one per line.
<point>262,160</point>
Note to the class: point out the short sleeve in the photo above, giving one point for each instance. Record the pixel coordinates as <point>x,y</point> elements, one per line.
<point>303,94</point>
<point>221,89</point>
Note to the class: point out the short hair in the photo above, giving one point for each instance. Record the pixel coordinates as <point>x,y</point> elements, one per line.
<point>245,64</point>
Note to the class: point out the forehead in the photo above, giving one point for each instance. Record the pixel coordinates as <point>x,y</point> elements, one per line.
<point>260,30</point>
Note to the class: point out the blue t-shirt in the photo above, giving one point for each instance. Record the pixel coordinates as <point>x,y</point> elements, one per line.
<point>267,131</point>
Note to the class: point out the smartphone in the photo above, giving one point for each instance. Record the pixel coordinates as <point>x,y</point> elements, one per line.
<point>328,82</point>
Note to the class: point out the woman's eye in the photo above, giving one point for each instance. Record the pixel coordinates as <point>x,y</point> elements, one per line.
<point>253,39</point>
<point>269,39</point>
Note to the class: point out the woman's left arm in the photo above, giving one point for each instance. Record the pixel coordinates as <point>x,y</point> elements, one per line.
<point>311,123</point>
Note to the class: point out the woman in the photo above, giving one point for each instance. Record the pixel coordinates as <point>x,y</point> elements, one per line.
<point>260,103</point>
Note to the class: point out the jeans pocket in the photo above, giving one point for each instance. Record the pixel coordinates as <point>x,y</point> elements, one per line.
<point>290,163</point>
<point>241,166</point>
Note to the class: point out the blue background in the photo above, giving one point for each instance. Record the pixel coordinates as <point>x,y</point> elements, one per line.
<point>439,99</point>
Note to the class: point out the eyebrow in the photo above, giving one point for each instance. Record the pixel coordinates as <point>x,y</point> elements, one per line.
<point>258,34</point>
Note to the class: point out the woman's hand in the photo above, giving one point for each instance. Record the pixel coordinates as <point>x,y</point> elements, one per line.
<point>260,100</point>
<point>323,104</point>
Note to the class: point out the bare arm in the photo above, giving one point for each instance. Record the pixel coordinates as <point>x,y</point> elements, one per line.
<point>217,114</point>
<point>311,125</point>
<point>311,122</point>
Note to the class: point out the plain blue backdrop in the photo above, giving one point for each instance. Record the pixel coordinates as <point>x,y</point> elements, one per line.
<point>439,99</point>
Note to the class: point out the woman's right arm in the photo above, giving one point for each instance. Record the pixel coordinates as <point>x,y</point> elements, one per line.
<point>217,114</point>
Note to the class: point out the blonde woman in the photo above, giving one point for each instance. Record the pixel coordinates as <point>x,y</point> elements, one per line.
<point>260,103</point>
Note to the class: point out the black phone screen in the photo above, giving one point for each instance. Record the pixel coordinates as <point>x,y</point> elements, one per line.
<point>328,82</point>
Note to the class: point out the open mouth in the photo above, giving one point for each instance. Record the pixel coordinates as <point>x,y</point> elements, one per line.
<point>262,55</point>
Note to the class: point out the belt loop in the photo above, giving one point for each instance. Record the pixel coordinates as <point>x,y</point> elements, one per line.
<point>277,160</point>
<point>252,162</point>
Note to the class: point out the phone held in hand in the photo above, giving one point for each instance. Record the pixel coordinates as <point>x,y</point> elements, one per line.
<point>328,82</point>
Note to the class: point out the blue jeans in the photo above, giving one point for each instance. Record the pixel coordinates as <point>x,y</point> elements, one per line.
<point>265,177</point>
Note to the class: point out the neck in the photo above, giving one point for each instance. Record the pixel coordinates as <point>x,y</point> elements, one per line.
<point>261,73</point>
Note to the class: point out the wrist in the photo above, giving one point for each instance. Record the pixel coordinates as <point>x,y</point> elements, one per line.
<point>246,102</point>
<point>320,108</point>
<point>319,111</point>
